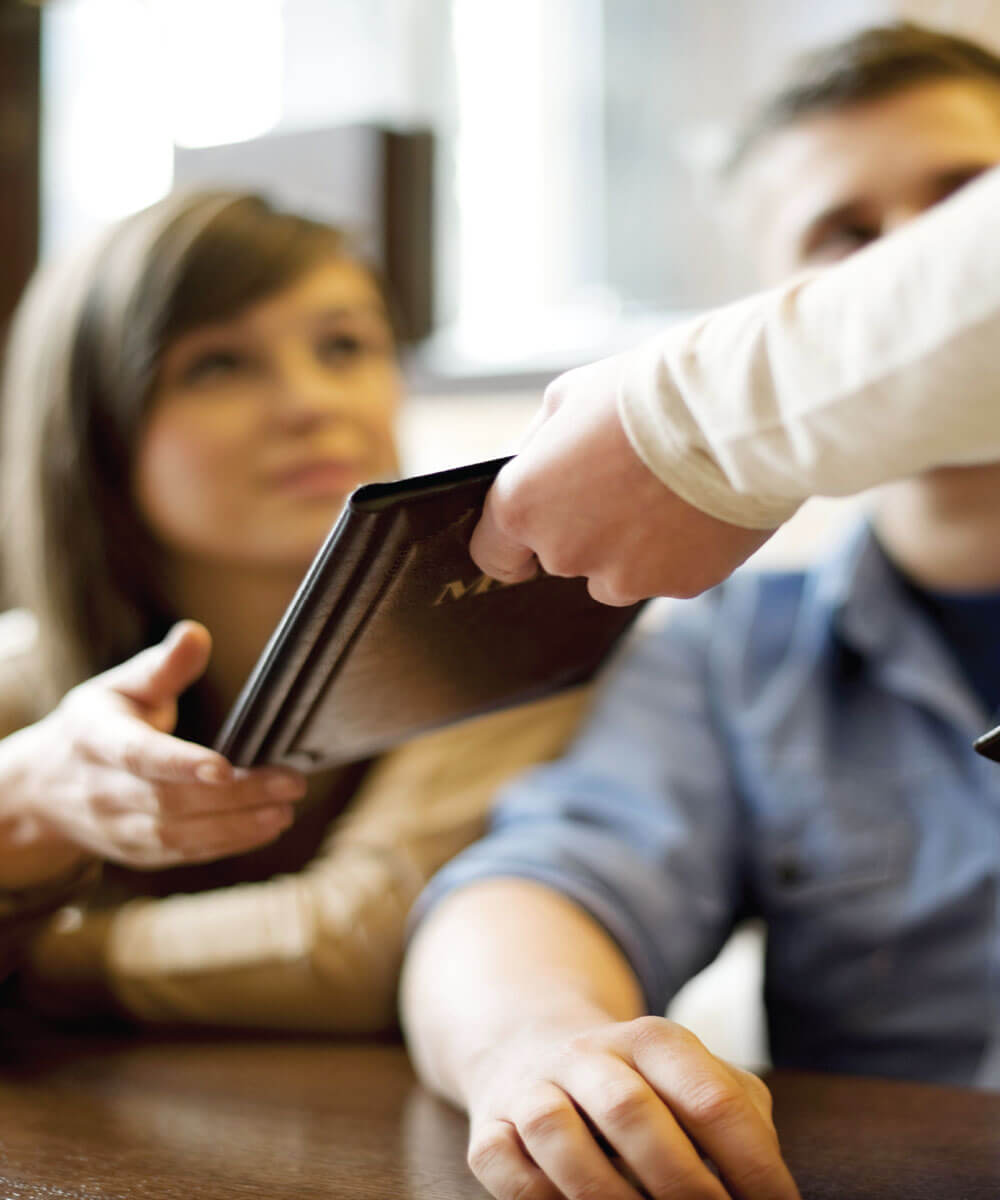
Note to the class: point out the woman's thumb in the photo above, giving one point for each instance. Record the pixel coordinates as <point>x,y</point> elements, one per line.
<point>159,674</point>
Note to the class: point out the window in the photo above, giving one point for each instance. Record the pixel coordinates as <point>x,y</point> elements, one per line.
<point>575,139</point>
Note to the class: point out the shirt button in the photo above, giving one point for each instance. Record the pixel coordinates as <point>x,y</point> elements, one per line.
<point>790,872</point>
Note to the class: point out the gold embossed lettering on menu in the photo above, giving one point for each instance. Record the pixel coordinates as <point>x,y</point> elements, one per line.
<point>395,631</point>
<point>456,589</point>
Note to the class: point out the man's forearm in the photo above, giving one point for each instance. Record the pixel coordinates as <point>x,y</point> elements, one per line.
<point>878,368</point>
<point>503,956</point>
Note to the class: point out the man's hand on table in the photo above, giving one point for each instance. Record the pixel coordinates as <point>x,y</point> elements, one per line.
<point>578,500</point>
<point>649,1089</point>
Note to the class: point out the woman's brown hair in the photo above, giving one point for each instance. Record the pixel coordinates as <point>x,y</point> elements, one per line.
<point>82,359</point>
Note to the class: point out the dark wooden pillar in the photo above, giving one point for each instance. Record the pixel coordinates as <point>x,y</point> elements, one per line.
<point>20,45</point>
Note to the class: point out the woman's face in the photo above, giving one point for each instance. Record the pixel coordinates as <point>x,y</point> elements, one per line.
<point>259,427</point>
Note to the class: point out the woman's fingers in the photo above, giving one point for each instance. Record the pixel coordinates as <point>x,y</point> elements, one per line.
<point>118,739</point>
<point>201,779</point>
<point>115,795</point>
<point>116,782</point>
<point>255,788</point>
<point>215,835</point>
<point>141,841</point>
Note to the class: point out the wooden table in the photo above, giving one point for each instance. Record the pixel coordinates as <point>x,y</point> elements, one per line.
<point>109,1119</point>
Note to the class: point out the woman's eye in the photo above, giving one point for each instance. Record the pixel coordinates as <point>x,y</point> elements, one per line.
<point>341,347</point>
<point>214,364</point>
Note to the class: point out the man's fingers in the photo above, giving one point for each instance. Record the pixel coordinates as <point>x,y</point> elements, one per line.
<point>606,593</point>
<point>495,549</point>
<point>715,1110</point>
<point>557,1139</point>
<point>541,415</point>
<point>157,675</point>
<point>634,1120</point>
<point>545,410</point>
<point>756,1089</point>
<point>498,1160</point>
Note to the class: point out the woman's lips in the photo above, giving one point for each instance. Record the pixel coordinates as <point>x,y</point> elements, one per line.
<point>321,477</point>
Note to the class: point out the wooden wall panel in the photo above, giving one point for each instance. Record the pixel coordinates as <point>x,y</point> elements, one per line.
<point>376,182</point>
<point>19,138</point>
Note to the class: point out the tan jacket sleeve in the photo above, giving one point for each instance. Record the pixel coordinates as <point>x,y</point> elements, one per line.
<point>319,950</point>
<point>24,912</point>
<point>875,369</point>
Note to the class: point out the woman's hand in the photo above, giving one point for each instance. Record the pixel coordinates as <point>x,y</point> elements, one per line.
<point>648,1088</point>
<point>101,772</point>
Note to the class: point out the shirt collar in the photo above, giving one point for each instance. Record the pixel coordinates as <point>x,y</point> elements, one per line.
<point>869,610</point>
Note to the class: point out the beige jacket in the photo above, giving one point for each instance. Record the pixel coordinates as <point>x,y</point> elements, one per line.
<point>305,934</point>
<point>879,368</point>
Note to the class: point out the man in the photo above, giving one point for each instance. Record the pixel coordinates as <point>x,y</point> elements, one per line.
<point>793,746</point>
<point>745,412</point>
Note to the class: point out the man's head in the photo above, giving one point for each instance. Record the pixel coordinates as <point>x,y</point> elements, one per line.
<point>865,135</point>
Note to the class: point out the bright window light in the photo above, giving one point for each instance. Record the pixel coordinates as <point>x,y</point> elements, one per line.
<point>106,141</point>
<point>528,186</point>
<point>124,80</point>
<point>224,68</point>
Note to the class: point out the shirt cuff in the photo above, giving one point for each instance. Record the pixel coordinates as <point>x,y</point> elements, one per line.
<point>666,437</point>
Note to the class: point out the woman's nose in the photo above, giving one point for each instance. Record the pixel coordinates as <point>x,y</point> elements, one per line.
<point>306,398</point>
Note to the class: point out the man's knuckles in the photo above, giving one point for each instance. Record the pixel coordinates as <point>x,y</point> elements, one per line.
<point>545,1116</point>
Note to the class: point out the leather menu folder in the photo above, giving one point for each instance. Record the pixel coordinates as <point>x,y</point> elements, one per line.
<point>988,745</point>
<point>394,631</point>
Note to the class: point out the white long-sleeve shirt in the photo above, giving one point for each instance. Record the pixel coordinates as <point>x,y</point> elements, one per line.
<point>879,368</point>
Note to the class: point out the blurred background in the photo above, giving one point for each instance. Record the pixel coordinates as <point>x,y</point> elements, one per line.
<point>534,176</point>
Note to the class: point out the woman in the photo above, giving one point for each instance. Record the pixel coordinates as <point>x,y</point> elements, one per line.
<point>186,407</point>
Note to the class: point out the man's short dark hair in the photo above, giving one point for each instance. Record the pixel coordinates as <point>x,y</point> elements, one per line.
<point>865,66</point>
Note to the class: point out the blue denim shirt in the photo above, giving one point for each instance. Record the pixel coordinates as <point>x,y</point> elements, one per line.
<point>795,746</point>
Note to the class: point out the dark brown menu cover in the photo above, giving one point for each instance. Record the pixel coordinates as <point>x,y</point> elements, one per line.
<point>988,744</point>
<point>394,630</point>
